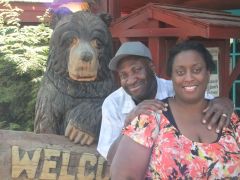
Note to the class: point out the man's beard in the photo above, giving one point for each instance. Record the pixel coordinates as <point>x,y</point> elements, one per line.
<point>150,88</point>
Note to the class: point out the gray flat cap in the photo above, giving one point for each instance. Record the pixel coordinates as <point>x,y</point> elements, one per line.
<point>135,48</point>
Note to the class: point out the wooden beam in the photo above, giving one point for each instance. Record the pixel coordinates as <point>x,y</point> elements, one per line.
<point>158,49</point>
<point>128,6</point>
<point>156,32</point>
<point>223,32</point>
<point>129,22</point>
<point>213,4</point>
<point>114,8</point>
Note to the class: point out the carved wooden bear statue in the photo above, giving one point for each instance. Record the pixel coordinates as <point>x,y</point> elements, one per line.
<point>77,78</point>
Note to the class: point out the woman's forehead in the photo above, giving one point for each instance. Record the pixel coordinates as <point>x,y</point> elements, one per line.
<point>186,57</point>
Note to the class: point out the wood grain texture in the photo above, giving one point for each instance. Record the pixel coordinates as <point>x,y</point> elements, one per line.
<point>26,155</point>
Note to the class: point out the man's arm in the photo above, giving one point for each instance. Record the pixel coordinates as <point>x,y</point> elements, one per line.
<point>110,128</point>
<point>218,112</point>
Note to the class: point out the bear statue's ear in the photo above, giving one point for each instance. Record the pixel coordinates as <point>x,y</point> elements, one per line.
<point>107,18</point>
<point>58,14</point>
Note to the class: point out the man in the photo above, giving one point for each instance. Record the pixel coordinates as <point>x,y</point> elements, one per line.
<point>140,88</point>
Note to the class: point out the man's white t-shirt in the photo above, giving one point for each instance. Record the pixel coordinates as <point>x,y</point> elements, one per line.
<point>115,109</point>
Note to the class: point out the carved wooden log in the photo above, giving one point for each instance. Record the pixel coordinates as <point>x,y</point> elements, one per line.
<point>26,155</point>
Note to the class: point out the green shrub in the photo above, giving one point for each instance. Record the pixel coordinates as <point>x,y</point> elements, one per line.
<point>23,56</point>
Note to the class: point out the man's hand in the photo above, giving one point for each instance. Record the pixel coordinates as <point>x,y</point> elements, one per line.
<point>218,112</point>
<point>78,136</point>
<point>145,107</point>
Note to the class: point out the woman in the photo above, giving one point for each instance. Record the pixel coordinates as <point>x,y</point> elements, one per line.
<point>176,144</point>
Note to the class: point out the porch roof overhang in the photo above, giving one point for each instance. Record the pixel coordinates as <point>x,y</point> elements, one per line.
<point>128,6</point>
<point>155,20</point>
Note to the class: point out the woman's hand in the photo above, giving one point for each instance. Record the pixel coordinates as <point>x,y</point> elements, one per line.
<point>146,107</point>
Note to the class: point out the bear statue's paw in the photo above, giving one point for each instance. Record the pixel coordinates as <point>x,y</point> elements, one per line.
<point>78,136</point>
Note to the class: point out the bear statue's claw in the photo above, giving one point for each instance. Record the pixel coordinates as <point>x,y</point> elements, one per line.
<point>77,136</point>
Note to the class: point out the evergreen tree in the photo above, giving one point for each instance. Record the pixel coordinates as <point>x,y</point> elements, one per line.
<point>23,56</point>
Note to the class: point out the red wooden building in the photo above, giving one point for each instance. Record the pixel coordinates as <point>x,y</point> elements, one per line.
<point>34,8</point>
<point>118,7</point>
<point>31,9</point>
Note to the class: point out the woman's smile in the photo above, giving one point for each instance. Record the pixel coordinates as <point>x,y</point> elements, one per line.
<point>190,88</point>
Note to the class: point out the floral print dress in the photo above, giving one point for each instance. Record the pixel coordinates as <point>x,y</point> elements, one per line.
<point>174,156</point>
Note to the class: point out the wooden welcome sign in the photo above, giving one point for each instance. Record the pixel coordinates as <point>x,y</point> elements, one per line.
<point>26,155</point>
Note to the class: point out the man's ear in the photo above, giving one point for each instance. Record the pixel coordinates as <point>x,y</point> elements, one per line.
<point>208,74</point>
<point>152,66</point>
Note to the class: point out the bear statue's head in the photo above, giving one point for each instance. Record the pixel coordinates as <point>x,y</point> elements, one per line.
<point>81,47</point>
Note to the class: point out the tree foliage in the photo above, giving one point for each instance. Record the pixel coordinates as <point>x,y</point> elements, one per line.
<point>23,56</point>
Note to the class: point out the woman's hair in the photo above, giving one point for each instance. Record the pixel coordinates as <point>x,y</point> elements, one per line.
<point>186,46</point>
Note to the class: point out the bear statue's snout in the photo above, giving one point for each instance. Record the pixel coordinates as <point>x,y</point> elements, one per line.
<point>86,56</point>
<point>83,62</point>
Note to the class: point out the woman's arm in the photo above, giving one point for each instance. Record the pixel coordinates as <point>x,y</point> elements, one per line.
<point>130,161</point>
